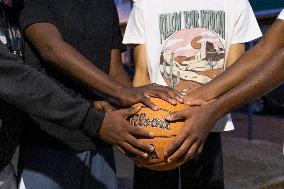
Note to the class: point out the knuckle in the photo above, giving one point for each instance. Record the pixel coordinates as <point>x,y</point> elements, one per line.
<point>176,144</point>
<point>182,150</point>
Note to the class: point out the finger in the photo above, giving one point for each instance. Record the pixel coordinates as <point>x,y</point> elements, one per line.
<point>120,149</point>
<point>149,103</point>
<point>176,94</point>
<point>192,152</point>
<point>108,108</point>
<point>200,148</point>
<point>196,102</point>
<point>178,115</point>
<point>174,145</point>
<point>172,92</point>
<point>97,106</point>
<point>161,94</point>
<point>138,164</point>
<point>181,152</point>
<point>136,152</point>
<point>141,133</point>
<point>130,111</point>
<point>139,145</point>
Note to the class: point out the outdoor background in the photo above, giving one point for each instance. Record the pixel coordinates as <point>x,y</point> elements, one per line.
<point>254,152</point>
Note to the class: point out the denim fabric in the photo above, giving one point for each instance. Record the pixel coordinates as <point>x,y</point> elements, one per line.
<point>56,169</point>
<point>8,178</point>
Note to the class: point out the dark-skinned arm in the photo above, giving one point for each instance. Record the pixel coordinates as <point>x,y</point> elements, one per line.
<point>46,38</point>
<point>250,61</point>
<point>265,73</point>
<point>262,80</point>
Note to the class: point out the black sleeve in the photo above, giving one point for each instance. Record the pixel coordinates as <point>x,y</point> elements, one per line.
<point>117,35</point>
<point>35,11</point>
<point>32,92</point>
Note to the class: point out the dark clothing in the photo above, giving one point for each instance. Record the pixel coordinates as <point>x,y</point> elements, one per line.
<point>31,91</point>
<point>92,28</point>
<point>42,168</point>
<point>9,31</point>
<point>203,172</point>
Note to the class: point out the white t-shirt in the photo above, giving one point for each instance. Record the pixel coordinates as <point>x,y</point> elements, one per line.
<point>281,15</point>
<point>187,41</point>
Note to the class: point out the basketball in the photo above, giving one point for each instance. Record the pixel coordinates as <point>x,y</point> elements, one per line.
<point>164,132</point>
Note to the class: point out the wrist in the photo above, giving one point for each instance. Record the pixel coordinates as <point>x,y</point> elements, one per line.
<point>119,91</point>
<point>216,109</point>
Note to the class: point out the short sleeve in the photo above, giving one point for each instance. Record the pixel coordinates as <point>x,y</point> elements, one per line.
<point>35,11</point>
<point>117,35</point>
<point>135,30</point>
<point>281,15</point>
<point>246,27</point>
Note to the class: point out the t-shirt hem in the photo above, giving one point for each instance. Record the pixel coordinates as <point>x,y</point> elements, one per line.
<point>133,42</point>
<point>247,39</point>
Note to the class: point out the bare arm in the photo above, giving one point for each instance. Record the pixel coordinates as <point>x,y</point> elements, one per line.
<point>251,60</point>
<point>48,41</point>
<point>235,52</point>
<point>53,49</point>
<point>263,79</point>
<point>141,76</point>
<point>117,72</point>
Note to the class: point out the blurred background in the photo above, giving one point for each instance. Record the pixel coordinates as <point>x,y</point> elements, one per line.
<point>254,152</point>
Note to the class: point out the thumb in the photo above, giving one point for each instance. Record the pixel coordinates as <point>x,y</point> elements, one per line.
<point>130,111</point>
<point>177,116</point>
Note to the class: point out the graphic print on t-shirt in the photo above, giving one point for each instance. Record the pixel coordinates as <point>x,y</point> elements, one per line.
<point>192,48</point>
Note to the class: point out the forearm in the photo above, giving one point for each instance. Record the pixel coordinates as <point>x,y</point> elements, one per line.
<point>250,61</point>
<point>72,62</point>
<point>54,50</point>
<point>141,76</point>
<point>34,93</point>
<point>266,77</point>
<point>117,71</point>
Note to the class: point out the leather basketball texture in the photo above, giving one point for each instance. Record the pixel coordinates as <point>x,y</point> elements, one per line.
<point>164,132</point>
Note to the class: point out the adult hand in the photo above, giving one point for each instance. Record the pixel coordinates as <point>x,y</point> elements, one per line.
<point>189,142</point>
<point>103,106</point>
<point>133,95</point>
<point>116,130</point>
<point>194,101</point>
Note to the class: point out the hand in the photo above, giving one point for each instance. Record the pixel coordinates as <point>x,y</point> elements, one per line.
<point>189,142</point>
<point>103,106</point>
<point>133,95</point>
<point>8,2</point>
<point>116,130</point>
<point>194,101</point>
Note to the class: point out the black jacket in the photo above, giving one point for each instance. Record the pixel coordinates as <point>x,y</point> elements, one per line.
<point>24,88</point>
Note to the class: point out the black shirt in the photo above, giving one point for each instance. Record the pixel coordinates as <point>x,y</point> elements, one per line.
<point>91,27</point>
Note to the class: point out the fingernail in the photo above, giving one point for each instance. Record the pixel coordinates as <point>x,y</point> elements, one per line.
<point>169,116</point>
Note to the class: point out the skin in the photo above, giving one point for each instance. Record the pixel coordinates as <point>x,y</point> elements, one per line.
<point>236,86</point>
<point>190,139</point>
<point>49,43</point>
<point>8,2</point>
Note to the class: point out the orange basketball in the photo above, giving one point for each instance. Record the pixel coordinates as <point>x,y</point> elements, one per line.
<point>164,132</point>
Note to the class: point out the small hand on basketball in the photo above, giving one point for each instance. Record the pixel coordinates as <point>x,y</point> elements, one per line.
<point>188,144</point>
<point>133,95</point>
